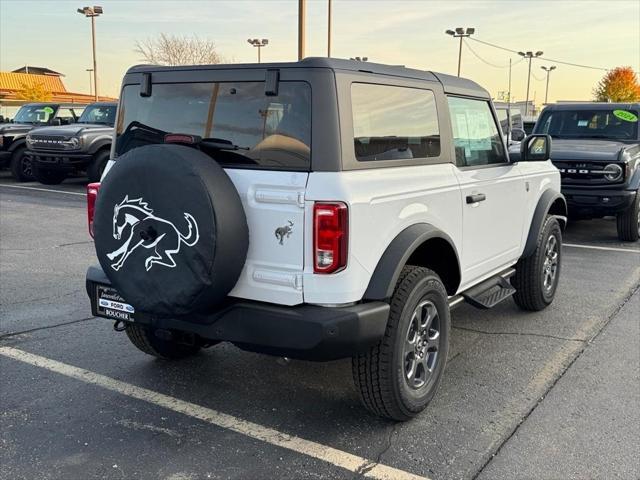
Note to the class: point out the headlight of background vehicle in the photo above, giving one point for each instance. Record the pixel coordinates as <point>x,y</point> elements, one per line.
<point>613,172</point>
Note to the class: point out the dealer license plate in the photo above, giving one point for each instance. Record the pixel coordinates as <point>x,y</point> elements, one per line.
<point>111,305</point>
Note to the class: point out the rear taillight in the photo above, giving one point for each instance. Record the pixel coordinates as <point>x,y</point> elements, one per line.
<point>330,236</point>
<point>92,196</point>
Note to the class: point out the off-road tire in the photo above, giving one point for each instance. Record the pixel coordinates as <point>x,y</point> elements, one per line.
<point>48,177</point>
<point>145,340</point>
<point>528,280</point>
<point>96,167</point>
<point>628,222</point>
<point>379,373</point>
<point>20,171</point>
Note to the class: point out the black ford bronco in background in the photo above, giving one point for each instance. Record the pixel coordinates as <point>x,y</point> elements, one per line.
<point>31,115</point>
<point>82,146</point>
<point>596,147</point>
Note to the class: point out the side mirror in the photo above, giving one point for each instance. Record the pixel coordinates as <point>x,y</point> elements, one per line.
<point>517,135</point>
<point>56,121</point>
<point>536,148</point>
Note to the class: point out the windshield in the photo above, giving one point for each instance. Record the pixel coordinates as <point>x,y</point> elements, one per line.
<point>104,114</point>
<point>35,114</point>
<point>265,131</point>
<point>615,124</point>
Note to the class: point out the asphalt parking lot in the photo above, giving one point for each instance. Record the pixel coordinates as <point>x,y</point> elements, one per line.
<point>552,394</point>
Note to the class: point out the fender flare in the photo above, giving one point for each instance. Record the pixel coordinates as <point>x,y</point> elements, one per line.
<point>21,142</point>
<point>396,255</point>
<point>547,199</point>
<point>99,145</point>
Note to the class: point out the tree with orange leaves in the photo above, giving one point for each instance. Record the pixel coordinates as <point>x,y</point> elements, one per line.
<point>618,85</point>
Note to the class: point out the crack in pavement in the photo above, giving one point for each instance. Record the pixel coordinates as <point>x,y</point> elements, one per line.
<point>371,464</point>
<point>523,334</point>
<point>73,244</point>
<point>48,327</point>
<point>68,294</point>
<point>612,315</point>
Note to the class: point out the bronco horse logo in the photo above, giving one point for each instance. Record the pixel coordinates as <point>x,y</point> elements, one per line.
<point>150,232</point>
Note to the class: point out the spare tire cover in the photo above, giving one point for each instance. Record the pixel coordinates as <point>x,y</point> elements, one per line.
<point>170,230</point>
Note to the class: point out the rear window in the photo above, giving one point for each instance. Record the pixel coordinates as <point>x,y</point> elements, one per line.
<point>261,131</point>
<point>394,123</point>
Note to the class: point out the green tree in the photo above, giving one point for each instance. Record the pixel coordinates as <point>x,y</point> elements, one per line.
<point>34,93</point>
<point>618,85</point>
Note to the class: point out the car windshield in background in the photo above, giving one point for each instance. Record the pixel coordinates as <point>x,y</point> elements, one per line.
<point>618,124</point>
<point>265,131</point>
<point>104,114</point>
<point>35,114</point>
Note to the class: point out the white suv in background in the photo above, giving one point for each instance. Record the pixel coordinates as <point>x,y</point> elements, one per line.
<point>318,210</point>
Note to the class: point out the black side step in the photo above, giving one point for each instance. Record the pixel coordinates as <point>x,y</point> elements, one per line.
<point>492,291</point>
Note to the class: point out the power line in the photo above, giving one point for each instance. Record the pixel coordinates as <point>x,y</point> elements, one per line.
<point>591,67</point>
<point>486,61</point>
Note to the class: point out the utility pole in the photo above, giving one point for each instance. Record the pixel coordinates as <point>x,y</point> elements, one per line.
<point>546,92</point>
<point>302,13</point>
<point>90,70</point>
<point>460,33</point>
<point>509,94</point>
<point>530,55</point>
<point>93,12</point>
<point>259,44</point>
<point>329,30</point>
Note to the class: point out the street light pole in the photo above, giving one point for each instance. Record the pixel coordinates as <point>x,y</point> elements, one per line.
<point>329,30</point>
<point>302,13</point>
<point>546,92</point>
<point>259,44</point>
<point>93,12</point>
<point>460,33</point>
<point>530,55</point>
<point>90,70</point>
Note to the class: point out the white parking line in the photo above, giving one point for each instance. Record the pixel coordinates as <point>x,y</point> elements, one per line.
<point>595,247</point>
<point>325,453</point>
<point>43,189</point>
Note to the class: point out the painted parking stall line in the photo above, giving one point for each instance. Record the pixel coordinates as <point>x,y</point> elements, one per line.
<point>50,190</point>
<point>596,247</point>
<point>348,461</point>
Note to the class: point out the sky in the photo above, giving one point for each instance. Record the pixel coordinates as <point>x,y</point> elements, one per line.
<point>598,33</point>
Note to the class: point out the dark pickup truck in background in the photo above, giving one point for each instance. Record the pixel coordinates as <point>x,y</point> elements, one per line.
<point>596,147</point>
<point>29,116</point>
<point>83,146</point>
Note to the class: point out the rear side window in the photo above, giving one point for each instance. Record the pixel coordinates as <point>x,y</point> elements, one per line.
<point>475,133</point>
<point>394,123</point>
<point>272,132</point>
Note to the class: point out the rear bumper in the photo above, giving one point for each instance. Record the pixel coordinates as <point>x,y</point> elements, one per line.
<point>305,332</point>
<point>597,203</point>
<point>62,161</point>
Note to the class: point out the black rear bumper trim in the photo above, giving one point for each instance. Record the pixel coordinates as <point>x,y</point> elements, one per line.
<point>305,332</point>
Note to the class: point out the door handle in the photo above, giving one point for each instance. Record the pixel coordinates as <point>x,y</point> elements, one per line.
<point>476,197</point>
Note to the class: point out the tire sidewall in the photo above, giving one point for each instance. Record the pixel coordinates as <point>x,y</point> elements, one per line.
<point>430,288</point>
<point>17,160</point>
<point>97,165</point>
<point>551,227</point>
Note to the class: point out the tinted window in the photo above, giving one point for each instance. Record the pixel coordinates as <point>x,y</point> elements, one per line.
<point>35,113</point>
<point>393,123</point>
<point>611,123</point>
<point>475,133</point>
<point>104,114</point>
<point>269,131</point>
<point>66,115</point>
<point>503,118</point>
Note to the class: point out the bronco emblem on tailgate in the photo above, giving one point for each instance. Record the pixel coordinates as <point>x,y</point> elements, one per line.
<point>150,232</point>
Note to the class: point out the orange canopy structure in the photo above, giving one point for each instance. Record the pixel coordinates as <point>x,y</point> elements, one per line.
<point>11,83</point>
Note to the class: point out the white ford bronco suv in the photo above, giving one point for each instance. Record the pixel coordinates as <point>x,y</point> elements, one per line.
<point>318,210</point>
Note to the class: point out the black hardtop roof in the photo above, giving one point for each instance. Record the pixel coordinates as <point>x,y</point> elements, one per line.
<point>593,106</point>
<point>450,83</point>
<point>105,104</point>
<point>54,104</point>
